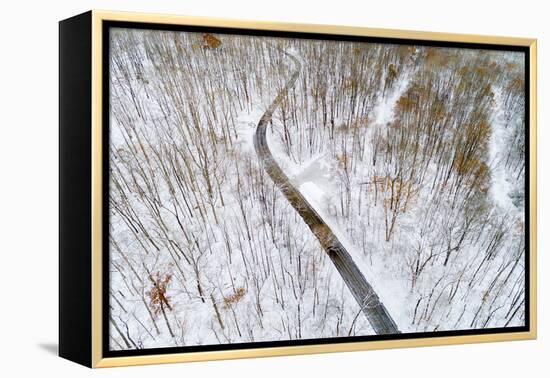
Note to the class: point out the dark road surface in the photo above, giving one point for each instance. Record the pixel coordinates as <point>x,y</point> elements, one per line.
<point>368,300</point>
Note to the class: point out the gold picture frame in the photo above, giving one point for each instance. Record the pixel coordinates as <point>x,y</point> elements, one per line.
<point>94,262</point>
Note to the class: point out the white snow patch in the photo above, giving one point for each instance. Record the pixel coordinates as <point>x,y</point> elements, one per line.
<point>501,187</point>
<point>384,109</point>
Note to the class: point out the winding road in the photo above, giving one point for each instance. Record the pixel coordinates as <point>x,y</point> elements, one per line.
<point>364,294</point>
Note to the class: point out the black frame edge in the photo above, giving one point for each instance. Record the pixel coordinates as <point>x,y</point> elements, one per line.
<point>75,144</point>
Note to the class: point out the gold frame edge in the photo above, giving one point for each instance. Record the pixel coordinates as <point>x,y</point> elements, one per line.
<point>98,16</point>
<point>97,187</point>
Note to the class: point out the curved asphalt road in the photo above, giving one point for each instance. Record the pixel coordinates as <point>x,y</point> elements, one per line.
<point>368,300</point>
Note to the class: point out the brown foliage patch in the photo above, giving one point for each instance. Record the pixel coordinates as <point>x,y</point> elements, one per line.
<point>210,41</point>
<point>157,295</point>
<point>234,298</point>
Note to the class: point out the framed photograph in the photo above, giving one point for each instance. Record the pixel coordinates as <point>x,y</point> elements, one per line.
<point>235,189</point>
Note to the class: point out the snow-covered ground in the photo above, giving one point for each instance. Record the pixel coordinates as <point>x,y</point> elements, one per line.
<point>204,248</point>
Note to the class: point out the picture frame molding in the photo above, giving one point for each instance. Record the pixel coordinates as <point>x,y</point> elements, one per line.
<point>98,18</point>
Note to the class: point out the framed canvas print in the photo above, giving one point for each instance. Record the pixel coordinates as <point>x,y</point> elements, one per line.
<point>236,189</point>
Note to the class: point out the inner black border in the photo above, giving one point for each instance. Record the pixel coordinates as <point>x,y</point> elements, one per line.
<point>106,25</point>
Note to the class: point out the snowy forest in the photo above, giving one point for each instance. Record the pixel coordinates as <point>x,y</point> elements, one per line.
<point>267,189</point>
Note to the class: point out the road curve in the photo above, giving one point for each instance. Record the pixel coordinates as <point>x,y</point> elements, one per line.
<point>368,300</point>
